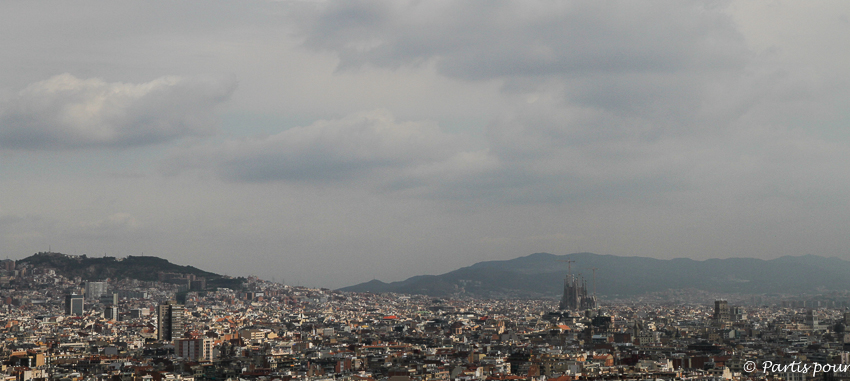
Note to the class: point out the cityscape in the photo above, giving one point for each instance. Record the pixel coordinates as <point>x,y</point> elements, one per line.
<point>178,328</point>
<point>424,190</point>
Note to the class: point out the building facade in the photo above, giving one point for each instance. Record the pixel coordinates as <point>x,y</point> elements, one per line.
<point>110,312</point>
<point>169,323</point>
<point>721,311</point>
<point>95,289</point>
<point>194,349</point>
<point>74,305</point>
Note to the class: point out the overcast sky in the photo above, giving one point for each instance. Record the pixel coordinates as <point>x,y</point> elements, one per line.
<point>331,143</point>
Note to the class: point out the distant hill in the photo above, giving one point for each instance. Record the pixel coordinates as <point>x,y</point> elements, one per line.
<point>144,268</point>
<point>541,275</point>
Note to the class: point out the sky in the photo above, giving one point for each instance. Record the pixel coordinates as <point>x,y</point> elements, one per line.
<point>328,143</point>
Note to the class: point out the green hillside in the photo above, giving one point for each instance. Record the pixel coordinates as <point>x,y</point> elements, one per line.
<point>144,268</point>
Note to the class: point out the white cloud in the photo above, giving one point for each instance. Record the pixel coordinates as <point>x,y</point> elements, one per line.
<point>66,112</point>
<point>347,148</point>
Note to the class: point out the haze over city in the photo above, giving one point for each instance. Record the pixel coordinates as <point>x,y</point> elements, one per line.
<point>329,143</point>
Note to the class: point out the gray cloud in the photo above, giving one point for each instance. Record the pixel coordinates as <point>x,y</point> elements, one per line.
<point>658,128</point>
<point>345,148</point>
<point>528,44</point>
<point>488,39</point>
<point>66,112</point>
<point>616,100</point>
<point>374,150</point>
<point>591,73</point>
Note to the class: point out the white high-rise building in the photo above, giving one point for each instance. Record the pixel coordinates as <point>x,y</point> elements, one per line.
<point>94,290</point>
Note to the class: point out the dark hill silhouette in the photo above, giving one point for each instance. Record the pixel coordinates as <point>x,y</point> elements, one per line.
<point>145,268</point>
<point>542,274</point>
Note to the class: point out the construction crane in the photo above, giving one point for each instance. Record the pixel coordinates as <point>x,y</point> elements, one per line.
<point>594,280</point>
<point>569,265</point>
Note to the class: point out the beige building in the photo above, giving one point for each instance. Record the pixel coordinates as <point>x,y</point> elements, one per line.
<point>194,349</point>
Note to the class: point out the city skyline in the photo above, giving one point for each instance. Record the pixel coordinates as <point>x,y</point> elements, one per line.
<point>330,143</point>
<point>164,329</point>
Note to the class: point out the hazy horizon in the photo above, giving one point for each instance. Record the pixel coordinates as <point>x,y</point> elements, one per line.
<point>330,143</point>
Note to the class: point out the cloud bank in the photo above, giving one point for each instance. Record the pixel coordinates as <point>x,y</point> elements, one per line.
<point>336,149</point>
<point>66,112</point>
<point>405,137</point>
<point>619,56</point>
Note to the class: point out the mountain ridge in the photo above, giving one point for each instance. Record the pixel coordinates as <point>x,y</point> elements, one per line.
<point>143,268</point>
<point>540,275</point>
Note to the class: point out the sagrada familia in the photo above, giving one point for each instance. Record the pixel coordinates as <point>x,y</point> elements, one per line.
<point>575,294</point>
